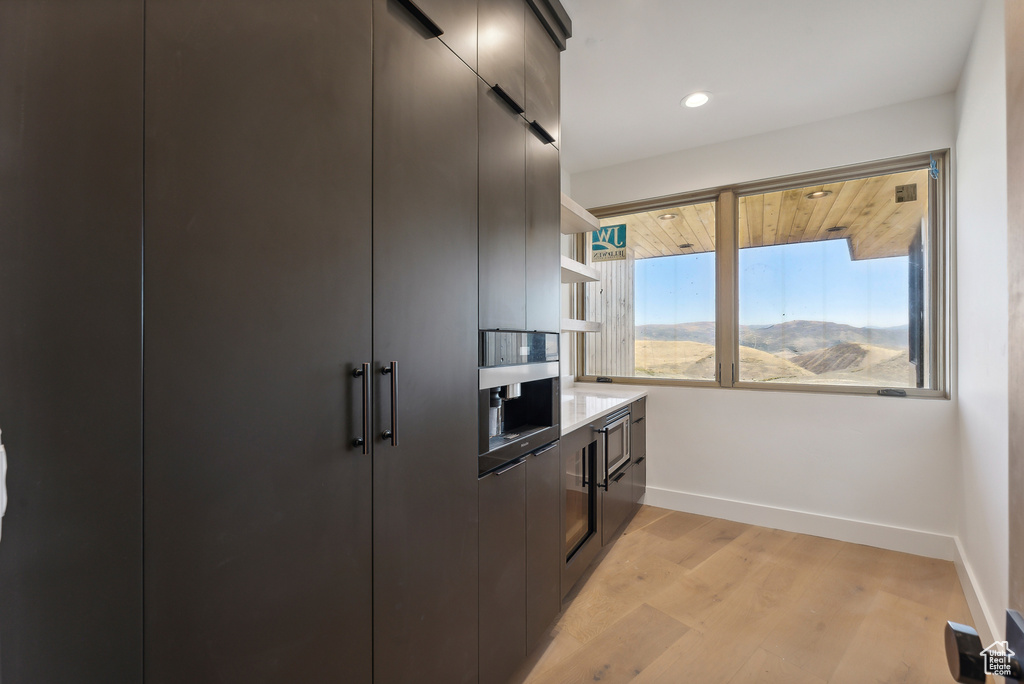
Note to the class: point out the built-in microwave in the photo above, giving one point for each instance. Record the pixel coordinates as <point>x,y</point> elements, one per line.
<point>616,443</point>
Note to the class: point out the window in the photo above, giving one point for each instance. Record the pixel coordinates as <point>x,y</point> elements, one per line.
<point>656,305</point>
<point>831,280</point>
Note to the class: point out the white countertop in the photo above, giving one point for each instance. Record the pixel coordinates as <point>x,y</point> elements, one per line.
<point>583,402</point>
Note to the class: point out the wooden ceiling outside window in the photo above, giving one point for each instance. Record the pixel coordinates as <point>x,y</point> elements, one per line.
<point>874,225</point>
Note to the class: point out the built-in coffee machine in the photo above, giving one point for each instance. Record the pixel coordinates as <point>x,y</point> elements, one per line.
<point>519,399</point>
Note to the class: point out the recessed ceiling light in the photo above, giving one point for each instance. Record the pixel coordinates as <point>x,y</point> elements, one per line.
<point>819,194</point>
<point>685,245</point>
<point>668,217</point>
<point>835,229</point>
<point>696,100</point>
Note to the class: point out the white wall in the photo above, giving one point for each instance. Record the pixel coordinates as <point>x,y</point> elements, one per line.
<point>983,308</point>
<point>908,128</point>
<point>862,468</point>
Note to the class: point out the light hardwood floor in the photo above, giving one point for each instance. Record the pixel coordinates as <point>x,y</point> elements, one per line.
<point>684,598</point>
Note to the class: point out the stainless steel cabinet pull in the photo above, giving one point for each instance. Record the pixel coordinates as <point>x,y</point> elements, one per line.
<point>392,434</point>
<point>364,441</point>
<point>422,17</point>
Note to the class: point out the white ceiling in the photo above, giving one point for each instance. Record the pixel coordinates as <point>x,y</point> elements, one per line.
<point>769,64</point>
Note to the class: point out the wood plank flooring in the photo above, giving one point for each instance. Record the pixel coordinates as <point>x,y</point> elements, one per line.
<point>684,598</point>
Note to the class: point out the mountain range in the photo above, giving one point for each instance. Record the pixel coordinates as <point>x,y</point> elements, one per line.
<point>791,338</point>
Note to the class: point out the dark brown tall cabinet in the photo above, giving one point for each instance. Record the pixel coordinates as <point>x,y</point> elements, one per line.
<point>503,136</point>
<point>257,308</point>
<point>502,51</point>
<point>424,318</point>
<point>253,459</point>
<point>520,560</point>
<point>542,77</point>
<point>519,168</point>
<point>71,104</point>
<point>543,280</point>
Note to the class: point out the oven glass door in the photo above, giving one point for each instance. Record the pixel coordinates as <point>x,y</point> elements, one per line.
<point>616,445</point>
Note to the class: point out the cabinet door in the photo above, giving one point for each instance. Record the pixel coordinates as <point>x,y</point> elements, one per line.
<point>502,47</point>
<point>618,503</point>
<point>543,542</point>
<point>257,283</point>
<point>639,478</point>
<point>70,358</point>
<point>502,214</point>
<point>638,438</point>
<point>503,580</point>
<point>543,280</point>
<point>638,409</point>
<point>455,19</point>
<point>542,76</point>
<point>425,318</point>
<point>638,447</point>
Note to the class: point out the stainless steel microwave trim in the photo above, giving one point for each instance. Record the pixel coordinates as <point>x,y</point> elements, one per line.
<point>613,418</point>
<point>511,375</point>
<point>614,422</point>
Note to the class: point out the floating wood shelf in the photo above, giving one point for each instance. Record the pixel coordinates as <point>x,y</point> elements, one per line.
<point>574,325</point>
<point>576,272</point>
<point>576,219</point>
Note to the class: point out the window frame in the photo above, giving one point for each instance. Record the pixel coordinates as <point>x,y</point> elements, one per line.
<point>726,200</point>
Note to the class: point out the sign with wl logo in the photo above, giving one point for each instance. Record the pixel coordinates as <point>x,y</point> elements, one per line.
<point>609,244</point>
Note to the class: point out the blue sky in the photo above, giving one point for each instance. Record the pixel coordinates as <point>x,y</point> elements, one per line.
<point>814,281</point>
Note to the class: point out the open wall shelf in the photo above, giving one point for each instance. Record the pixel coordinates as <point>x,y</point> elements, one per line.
<point>576,219</point>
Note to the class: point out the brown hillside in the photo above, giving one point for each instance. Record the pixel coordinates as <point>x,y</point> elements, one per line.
<point>696,361</point>
<point>865,365</point>
<point>834,358</point>
<point>762,366</point>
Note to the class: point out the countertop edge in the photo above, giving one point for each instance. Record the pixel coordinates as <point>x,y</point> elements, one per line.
<point>623,398</point>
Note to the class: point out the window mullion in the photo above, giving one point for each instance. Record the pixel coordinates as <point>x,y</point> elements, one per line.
<point>726,294</point>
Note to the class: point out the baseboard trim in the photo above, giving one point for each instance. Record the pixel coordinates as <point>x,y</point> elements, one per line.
<point>988,627</point>
<point>917,542</point>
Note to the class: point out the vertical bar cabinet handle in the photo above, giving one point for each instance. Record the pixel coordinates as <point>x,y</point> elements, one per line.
<point>392,434</point>
<point>364,441</point>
